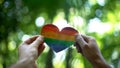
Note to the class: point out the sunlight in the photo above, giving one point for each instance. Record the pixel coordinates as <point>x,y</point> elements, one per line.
<point>111,17</point>
<point>60,55</point>
<point>1,66</point>
<point>78,21</point>
<point>77,63</point>
<point>46,48</point>
<point>39,21</point>
<point>95,25</point>
<point>101,2</point>
<point>60,22</point>
<point>92,2</point>
<point>12,45</point>
<point>59,58</point>
<point>25,37</point>
<point>115,55</point>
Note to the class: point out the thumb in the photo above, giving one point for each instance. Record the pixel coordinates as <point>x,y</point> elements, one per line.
<point>38,42</point>
<point>80,41</point>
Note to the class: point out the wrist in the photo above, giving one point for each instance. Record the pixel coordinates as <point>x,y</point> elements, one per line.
<point>24,63</point>
<point>100,63</point>
<point>28,62</point>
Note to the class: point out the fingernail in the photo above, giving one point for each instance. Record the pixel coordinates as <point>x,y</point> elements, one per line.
<point>76,36</point>
<point>41,37</point>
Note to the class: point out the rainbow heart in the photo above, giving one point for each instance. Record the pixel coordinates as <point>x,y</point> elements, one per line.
<point>58,40</point>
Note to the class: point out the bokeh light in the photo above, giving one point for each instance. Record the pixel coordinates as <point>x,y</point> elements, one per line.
<point>25,37</point>
<point>39,21</point>
<point>95,25</point>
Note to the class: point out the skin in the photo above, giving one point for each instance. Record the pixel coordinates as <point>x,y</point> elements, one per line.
<point>29,51</point>
<point>88,47</point>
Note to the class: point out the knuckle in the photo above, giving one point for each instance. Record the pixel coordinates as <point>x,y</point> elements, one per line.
<point>78,38</point>
<point>85,46</point>
<point>93,39</point>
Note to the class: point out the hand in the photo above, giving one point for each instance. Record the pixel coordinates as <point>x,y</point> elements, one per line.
<point>29,51</point>
<point>88,47</point>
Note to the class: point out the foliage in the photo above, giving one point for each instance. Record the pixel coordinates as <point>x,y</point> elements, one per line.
<point>18,21</point>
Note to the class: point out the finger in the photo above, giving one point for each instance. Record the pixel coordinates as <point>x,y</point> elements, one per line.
<point>30,40</point>
<point>80,41</point>
<point>78,47</point>
<point>88,39</point>
<point>37,42</point>
<point>40,49</point>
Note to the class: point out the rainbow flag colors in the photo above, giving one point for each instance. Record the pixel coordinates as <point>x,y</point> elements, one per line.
<point>58,40</point>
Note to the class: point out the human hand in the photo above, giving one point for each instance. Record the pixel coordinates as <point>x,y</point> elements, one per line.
<point>88,47</point>
<point>29,51</point>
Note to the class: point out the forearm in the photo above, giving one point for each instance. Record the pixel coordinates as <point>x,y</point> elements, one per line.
<point>24,63</point>
<point>100,63</point>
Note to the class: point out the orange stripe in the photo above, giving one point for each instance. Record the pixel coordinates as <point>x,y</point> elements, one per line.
<point>58,36</point>
<point>50,27</point>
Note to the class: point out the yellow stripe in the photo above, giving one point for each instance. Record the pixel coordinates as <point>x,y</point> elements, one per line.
<point>58,36</point>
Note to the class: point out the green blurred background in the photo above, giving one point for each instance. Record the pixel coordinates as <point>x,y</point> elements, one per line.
<point>21,19</point>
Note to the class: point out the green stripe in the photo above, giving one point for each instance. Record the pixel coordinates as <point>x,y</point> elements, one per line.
<point>50,41</point>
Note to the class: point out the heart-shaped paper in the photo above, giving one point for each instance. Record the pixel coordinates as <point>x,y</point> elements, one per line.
<point>58,40</point>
